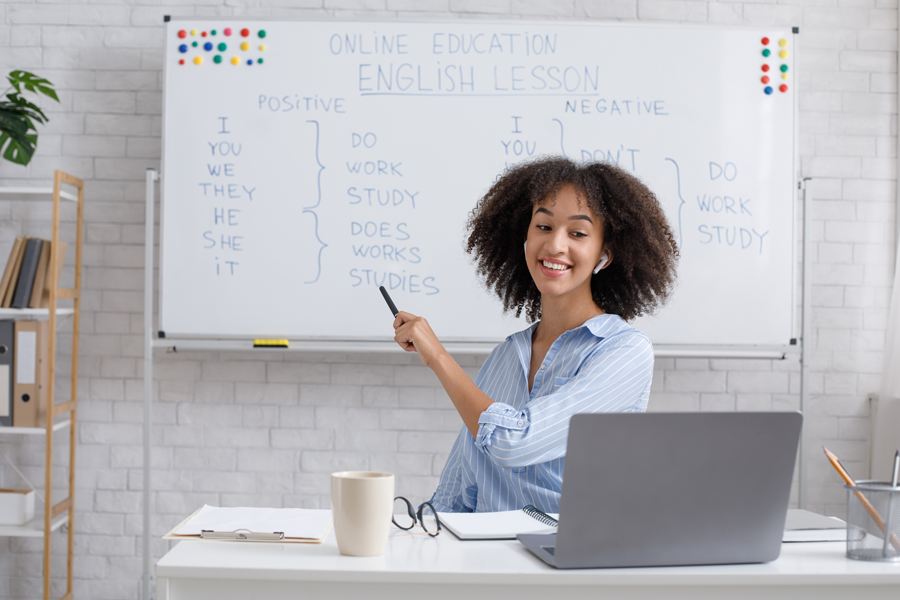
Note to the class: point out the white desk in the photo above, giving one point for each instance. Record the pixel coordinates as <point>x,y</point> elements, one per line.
<point>423,568</point>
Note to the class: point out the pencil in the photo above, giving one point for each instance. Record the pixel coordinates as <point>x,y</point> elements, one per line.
<point>895,542</point>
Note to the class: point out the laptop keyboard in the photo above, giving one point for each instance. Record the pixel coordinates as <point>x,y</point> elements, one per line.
<point>550,549</point>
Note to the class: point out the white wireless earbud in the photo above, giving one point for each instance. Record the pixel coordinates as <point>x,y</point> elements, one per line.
<point>603,260</point>
<point>525,247</point>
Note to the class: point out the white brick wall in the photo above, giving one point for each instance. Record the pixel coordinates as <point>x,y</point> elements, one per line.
<point>236,429</point>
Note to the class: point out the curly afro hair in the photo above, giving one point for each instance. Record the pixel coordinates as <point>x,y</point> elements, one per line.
<point>642,274</point>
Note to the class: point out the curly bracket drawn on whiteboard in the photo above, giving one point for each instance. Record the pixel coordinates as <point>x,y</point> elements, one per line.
<point>678,181</point>
<point>309,209</point>
<point>562,149</point>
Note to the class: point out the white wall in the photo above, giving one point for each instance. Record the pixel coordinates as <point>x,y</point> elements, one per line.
<point>241,429</point>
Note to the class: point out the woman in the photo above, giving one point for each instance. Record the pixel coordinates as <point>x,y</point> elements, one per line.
<point>597,252</point>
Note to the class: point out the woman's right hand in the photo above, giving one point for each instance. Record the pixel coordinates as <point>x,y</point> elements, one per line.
<point>414,334</point>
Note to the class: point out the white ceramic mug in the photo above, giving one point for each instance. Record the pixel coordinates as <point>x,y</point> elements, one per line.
<point>362,504</point>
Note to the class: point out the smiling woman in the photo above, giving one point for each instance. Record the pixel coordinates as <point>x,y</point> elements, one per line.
<point>598,252</point>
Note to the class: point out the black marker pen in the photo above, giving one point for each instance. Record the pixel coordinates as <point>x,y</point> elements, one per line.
<point>390,302</point>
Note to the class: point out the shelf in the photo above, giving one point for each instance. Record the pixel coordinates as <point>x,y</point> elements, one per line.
<point>33,528</point>
<point>34,193</point>
<point>33,314</point>
<point>33,430</point>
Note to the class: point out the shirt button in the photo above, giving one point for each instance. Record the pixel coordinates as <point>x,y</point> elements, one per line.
<point>542,367</point>
<point>521,423</point>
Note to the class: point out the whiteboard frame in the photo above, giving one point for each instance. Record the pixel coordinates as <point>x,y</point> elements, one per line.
<point>311,343</point>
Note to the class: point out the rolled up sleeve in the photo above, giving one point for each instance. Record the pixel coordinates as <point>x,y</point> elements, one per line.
<point>615,379</point>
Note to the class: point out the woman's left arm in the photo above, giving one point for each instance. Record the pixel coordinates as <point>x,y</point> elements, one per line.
<point>414,334</point>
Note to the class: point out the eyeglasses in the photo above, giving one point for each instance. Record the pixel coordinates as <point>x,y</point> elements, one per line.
<point>417,518</point>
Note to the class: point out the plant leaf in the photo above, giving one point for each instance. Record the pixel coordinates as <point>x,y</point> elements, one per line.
<point>32,83</point>
<point>14,123</point>
<point>23,106</point>
<point>18,149</point>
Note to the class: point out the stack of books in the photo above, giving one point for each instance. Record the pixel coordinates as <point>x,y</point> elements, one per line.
<point>28,277</point>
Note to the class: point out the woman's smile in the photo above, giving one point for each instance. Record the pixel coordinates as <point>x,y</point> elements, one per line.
<point>554,268</point>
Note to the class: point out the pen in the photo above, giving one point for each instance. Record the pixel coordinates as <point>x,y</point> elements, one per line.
<point>887,525</point>
<point>390,302</point>
<point>896,469</point>
<point>862,499</point>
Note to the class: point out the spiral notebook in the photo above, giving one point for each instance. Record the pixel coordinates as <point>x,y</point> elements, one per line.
<point>503,525</point>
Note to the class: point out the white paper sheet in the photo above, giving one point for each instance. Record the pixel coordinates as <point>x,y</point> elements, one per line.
<point>26,357</point>
<point>4,391</point>
<point>293,522</point>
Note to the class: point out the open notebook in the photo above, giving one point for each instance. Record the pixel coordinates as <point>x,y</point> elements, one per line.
<point>502,525</point>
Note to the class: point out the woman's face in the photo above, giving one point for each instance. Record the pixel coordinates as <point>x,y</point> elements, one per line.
<point>564,244</point>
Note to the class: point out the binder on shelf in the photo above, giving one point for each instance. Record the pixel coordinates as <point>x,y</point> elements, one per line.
<point>40,276</point>
<point>49,280</point>
<point>7,334</point>
<point>14,275</point>
<point>30,373</point>
<point>14,255</point>
<point>30,259</point>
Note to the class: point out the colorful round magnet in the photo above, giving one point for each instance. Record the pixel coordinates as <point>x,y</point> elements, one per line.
<point>208,46</point>
<point>203,34</point>
<point>182,34</point>
<point>784,75</point>
<point>222,46</point>
<point>765,41</point>
<point>765,68</point>
<point>782,42</point>
<point>783,87</point>
<point>235,60</point>
<point>193,32</point>
<point>245,45</point>
<point>213,32</point>
<point>217,58</point>
<point>194,44</point>
<point>181,62</point>
<point>765,79</point>
<point>262,33</point>
<point>182,48</point>
<point>768,90</point>
<point>766,52</point>
<point>783,54</point>
<point>198,60</point>
<point>259,60</point>
<point>227,31</point>
<point>245,32</point>
<point>262,47</point>
<point>250,62</point>
<point>784,68</point>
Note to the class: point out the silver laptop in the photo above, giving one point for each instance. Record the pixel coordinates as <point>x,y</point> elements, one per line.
<point>665,489</point>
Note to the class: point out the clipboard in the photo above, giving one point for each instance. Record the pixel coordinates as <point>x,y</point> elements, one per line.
<point>243,535</point>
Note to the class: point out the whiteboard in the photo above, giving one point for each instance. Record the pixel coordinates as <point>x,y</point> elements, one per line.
<point>338,156</point>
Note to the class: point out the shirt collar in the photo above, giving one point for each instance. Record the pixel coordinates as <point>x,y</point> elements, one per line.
<point>601,326</point>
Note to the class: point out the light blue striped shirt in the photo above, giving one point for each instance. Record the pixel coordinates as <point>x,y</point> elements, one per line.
<point>518,456</point>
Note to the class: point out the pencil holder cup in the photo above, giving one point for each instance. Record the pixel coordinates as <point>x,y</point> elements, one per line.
<point>873,521</point>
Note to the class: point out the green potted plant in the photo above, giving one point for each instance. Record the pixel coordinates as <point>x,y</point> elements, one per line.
<point>18,134</point>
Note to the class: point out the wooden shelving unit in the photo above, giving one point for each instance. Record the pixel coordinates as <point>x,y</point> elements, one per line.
<point>63,512</point>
